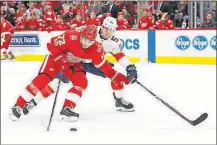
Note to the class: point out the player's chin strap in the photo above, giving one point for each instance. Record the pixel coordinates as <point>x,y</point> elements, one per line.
<point>194,123</point>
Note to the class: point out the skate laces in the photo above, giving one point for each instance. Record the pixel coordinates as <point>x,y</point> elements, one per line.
<point>124,102</point>
<point>30,105</point>
<point>18,109</point>
<point>69,109</point>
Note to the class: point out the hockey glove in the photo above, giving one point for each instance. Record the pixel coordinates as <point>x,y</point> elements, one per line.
<point>118,81</point>
<point>61,63</point>
<point>131,73</point>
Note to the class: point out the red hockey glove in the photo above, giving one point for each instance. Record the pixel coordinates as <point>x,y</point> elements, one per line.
<point>61,63</point>
<point>118,81</point>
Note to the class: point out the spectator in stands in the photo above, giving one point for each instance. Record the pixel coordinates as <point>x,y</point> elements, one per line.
<point>214,13</point>
<point>95,6</point>
<point>60,25</point>
<point>121,22</point>
<point>67,12</point>
<point>3,12</point>
<point>164,23</point>
<point>77,22</point>
<point>32,8</point>
<point>131,9</point>
<point>127,16</point>
<point>208,22</point>
<point>32,23</point>
<point>41,7</point>
<point>112,8</point>
<point>146,22</point>
<point>180,13</point>
<point>21,19</point>
<point>93,20</point>
<point>49,17</point>
<point>56,5</point>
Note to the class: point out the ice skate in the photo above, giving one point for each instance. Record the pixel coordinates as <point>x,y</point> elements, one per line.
<point>11,57</point>
<point>68,114</point>
<point>29,106</point>
<point>16,112</point>
<point>4,57</point>
<point>122,105</point>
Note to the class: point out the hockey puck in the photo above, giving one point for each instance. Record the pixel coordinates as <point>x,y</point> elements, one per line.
<point>73,129</point>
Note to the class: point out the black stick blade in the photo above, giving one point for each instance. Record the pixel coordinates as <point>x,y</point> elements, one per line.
<point>200,119</point>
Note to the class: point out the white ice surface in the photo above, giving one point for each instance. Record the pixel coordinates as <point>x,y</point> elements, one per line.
<point>189,88</point>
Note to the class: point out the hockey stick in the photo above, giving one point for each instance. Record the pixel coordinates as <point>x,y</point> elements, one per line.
<point>54,105</point>
<point>194,122</point>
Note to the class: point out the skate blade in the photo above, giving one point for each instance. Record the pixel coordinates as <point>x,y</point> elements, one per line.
<point>121,109</point>
<point>68,119</point>
<point>13,117</point>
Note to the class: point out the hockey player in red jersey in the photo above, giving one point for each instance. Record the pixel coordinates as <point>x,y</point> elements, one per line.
<point>113,45</point>
<point>7,30</point>
<point>21,18</point>
<point>66,52</point>
<point>32,23</point>
<point>122,22</point>
<point>93,20</point>
<point>146,21</point>
<point>164,23</point>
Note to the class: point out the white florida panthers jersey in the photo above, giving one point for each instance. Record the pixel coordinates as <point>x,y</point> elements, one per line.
<point>111,45</point>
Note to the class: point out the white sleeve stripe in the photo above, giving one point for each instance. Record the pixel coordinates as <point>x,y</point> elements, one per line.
<point>27,96</point>
<point>99,65</point>
<point>44,63</point>
<point>73,97</point>
<point>116,74</point>
<point>124,62</point>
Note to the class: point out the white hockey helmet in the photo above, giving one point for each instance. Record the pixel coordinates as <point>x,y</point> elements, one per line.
<point>110,23</point>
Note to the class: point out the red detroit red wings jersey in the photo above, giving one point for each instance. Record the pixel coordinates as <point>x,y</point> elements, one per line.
<point>69,43</point>
<point>6,34</point>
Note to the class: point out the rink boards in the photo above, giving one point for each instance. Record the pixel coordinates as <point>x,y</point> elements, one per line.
<point>161,46</point>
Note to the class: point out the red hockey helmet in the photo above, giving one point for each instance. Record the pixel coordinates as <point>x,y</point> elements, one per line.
<point>88,36</point>
<point>89,32</point>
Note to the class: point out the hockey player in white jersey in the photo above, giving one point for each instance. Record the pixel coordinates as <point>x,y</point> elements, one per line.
<point>112,45</point>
